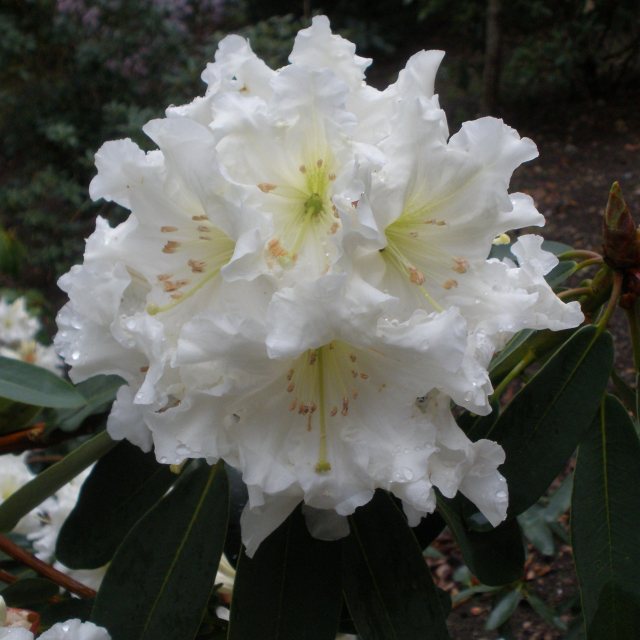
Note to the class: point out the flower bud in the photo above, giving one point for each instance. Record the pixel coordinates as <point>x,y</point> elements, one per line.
<point>621,249</point>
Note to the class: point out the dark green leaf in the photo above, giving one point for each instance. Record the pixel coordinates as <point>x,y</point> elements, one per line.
<point>617,616</point>
<point>29,592</point>
<point>36,386</point>
<point>543,424</point>
<point>495,556</point>
<point>16,415</point>
<point>503,610</point>
<point>65,609</point>
<point>605,518</point>
<point>290,589</point>
<point>158,585</point>
<point>123,485</point>
<point>99,392</point>
<point>387,585</point>
<point>49,481</point>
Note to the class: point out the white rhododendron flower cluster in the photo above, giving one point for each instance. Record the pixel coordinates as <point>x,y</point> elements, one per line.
<point>18,329</point>
<point>303,285</point>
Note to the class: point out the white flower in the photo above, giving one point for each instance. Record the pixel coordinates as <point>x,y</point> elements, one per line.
<point>14,474</point>
<point>306,257</point>
<point>16,323</point>
<point>75,630</point>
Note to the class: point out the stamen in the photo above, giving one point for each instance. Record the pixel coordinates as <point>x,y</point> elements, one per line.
<point>199,218</point>
<point>460,265</point>
<point>170,247</point>
<point>197,266</point>
<point>415,275</point>
<point>450,284</point>
<point>302,169</point>
<point>265,187</point>
<point>168,229</point>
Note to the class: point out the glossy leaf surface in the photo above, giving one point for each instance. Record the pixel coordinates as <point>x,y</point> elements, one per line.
<point>36,386</point>
<point>123,485</point>
<point>163,574</point>
<point>605,522</point>
<point>290,589</point>
<point>387,585</point>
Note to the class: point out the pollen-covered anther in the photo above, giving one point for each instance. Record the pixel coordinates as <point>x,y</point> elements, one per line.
<point>177,295</point>
<point>354,373</point>
<point>290,374</point>
<point>313,356</point>
<point>196,266</point>
<point>174,285</point>
<point>450,284</point>
<point>276,249</point>
<point>203,228</point>
<point>332,176</point>
<point>291,386</point>
<point>334,411</point>
<point>345,406</point>
<point>293,405</point>
<point>333,228</point>
<point>364,376</point>
<point>168,229</point>
<point>335,210</point>
<point>319,162</point>
<point>171,246</point>
<point>352,357</point>
<point>266,187</point>
<point>460,265</point>
<point>415,275</point>
<point>413,234</point>
<point>355,204</point>
<point>199,218</point>
<point>163,276</point>
<point>144,369</point>
<point>302,169</point>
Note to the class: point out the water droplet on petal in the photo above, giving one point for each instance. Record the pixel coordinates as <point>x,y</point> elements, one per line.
<point>501,495</point>
<point>75,355</point>
<point>163,460</point>
<point>407,474</point>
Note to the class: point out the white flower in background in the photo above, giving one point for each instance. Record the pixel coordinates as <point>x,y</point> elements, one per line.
<point>69,630</point>
<point>52,515</point>
<point>42,525</point>
<point>18,329</point>
<point>16,323</point>
<point>302,287</point>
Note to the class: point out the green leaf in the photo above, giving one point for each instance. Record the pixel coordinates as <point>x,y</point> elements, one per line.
<point>49,481</point>
<point>543,424</point>
<point>99,392</point>
<point>617,616</point>
<point>24,382</point>
<point>495,556</point>
<point>605,519</point>
<point>387,585</point>
<point>110,503</point>
<point>545,611</point>
<point>560,273</point>
<point>15,416</point>
<point>536,529</point>
<point>290,589</point>
<point>504,609</point>
<point>159,583</point>
<point>29,592</point>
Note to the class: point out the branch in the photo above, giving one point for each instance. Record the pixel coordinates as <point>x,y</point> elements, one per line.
<point>44,569</point>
